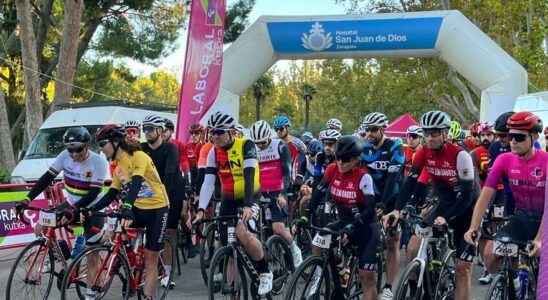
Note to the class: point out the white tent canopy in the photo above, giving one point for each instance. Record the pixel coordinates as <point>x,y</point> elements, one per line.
<point>445,34</point>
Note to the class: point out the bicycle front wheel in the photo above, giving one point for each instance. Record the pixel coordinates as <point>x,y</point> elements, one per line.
<point>105,273</point>
<point>407,289</point>
<point>223,284</point>
<point>310,281</point>
<point>280,262</point>
<point>208,245</point>
<point>498,290</point>
<point>164,279</point>
<point>31,275</point>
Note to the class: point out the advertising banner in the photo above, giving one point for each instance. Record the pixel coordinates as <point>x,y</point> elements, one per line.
<point>203,63</point>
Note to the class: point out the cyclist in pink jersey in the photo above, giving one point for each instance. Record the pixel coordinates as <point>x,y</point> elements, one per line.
<point>525,167</point>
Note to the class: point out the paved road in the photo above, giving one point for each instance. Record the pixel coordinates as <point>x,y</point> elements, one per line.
<point>189,284</point>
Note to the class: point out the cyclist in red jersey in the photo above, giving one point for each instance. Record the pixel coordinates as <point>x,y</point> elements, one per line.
<point>452,174</point>
<point>480,155</point>
<point>414,138</point>
<point>193,148</point>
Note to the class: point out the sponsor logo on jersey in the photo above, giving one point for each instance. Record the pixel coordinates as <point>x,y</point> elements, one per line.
<point>343,193</point>
<point>537,173</point>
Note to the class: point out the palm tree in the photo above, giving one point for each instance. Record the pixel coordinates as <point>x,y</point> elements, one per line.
<point>307,93</point>
<point>262,88</point>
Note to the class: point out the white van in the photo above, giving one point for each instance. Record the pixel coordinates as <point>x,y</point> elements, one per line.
<point>536,103</point>
<point>48,142</point>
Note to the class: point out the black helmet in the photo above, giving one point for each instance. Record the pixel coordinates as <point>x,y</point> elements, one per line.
<point>169,124</point>
<point>110,131</point>
<point>76,137</point>
<point>347,147</point>
<point>500,122</point>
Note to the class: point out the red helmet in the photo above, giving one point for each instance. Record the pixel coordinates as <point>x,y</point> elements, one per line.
<point>525,121</point>
<point>474,129</point>
<point>110,131</point>
<point>484,127</point>
<point>196,127</point>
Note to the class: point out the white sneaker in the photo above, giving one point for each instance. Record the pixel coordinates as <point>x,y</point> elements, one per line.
<point>297,257</point>
<point>165,281</point>
<point>486,278</point>
<point>90,295</point>
<point>265,283</point>
<point>387,294</point>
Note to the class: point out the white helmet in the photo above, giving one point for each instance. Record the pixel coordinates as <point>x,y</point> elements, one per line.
<point>239,127</point>
<point>132,124</point>
<point>260,131</point>
<point>375,119</point>
<point>414,129</point>
<point>329,135</point>
<point>154,120</point>
<point>435,119</point>
<point>221,120</point>
<point>335,123</point>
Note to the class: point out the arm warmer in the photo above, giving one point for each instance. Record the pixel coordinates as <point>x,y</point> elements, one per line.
<point>134,188</point>
<point>465,199</point>
<point>107,199</point>
<point>207,189</point>
<point>317,196</point>
<point>41,184</point>
<point>407,188</point>
<point>369,211</point>
<point>285,157</point>
<point>249,185</point>
<point>199,180</point>
<point>92,194</point>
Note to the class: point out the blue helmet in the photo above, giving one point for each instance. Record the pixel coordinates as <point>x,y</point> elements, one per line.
<point>307,136</point>
<point>282,121</point>
<point>315,146</point>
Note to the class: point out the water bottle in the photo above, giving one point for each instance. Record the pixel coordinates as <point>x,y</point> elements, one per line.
<point>130,253</point>
<point>78,246</point>
<point>523,279</point>
<point>345,275</point>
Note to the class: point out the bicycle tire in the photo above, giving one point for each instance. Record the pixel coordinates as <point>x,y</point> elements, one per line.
<point>161,291</point>
<point>498,289</point>
<point>23,256</point>
<point>446,284</point>
<point>207,250</point>
<point>120,266</point>
<point>302,273</point>
<point>276,246</point>
<point>303,238</point>
<point>402,287</point>
<point>354,289</point>
<point>381,276</point>
<point>220,259</point>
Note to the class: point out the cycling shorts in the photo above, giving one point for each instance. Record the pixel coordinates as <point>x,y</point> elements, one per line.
<point>228,208</point>
<point>174,215</point>
<point>92,238</point>
<point>155,222</point>
<point>366,237</point>
<point>277,214</point>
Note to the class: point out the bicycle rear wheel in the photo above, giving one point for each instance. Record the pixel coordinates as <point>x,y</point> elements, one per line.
<point>109,277</point>
<point>309,281</point>
<point>161,290</point>
<point>406,288</point>
<point>498,290</point>
<point>445,288</point>
<point>30,277</point>
<point>222,282</point>
<point>280,262</point>
<point>208,245</point>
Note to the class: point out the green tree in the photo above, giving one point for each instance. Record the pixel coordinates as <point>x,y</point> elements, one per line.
<point>262,88</point>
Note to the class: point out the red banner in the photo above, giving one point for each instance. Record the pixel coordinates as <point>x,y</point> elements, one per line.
<point>203,63</point>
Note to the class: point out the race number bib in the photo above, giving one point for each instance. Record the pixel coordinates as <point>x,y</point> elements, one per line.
<point>322,241</point>
<point>327,207</point>
<point>498,211</point>
<point>47,219</point>
<point>113,225</point>
<point>425,232</point>
<point>231,235</point>
<point>501,249</point>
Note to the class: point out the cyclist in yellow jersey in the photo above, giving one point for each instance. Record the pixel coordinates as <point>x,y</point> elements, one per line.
<point>145,205</point>
<point>234,160</point>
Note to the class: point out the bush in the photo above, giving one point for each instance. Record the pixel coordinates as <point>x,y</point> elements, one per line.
<point>4,175</point>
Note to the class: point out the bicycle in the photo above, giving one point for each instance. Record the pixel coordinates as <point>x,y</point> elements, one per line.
<point>502,286</point>
<point>227,276</point>
<point>432,273</point>
<point>209,243</point>
<point>114,263</point>
<point>34,267</point>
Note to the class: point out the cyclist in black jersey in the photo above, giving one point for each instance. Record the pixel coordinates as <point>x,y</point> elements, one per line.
<point>385,162</point>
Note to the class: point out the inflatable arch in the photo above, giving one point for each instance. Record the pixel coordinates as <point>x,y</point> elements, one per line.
<point>448,35</point>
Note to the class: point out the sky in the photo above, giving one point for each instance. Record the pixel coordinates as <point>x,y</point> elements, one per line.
<point>174,62</point>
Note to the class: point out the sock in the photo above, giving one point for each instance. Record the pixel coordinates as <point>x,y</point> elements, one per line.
<point>168,269</point>
<point>262,266</point>
<point>387,286</point>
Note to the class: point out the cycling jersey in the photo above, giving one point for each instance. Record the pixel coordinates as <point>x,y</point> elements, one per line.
<point>409,154</point>
<point>152,193</point>
<point>480,157</point>
<point>385,165</point>
<point>80,176</point>
<point>322,161</point>
<point>230,165</point>
<point>181,150</point>
<point>193,153</point>
<point>204,152</point>
<point>527,178</point>
<point>468,144</point>
<point>274,164</point>
<point>296,149</point>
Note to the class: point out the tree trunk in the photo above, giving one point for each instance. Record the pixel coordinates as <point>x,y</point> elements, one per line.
<point>68,53</point>
<point>257,107</point>
<point>6,149</point>
<point>34,116</point>
<point>307,114</point>
<point>45,16</point>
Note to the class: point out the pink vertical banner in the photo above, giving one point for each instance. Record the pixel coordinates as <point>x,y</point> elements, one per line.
<point>203,63</point>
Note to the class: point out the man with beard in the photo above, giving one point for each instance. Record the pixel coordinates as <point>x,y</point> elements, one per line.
<point>480,155</point>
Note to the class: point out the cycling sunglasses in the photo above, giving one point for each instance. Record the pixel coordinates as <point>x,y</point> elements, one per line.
<point>432,133</point>
<point>372,129</point>
<point>261,143</point>
<point>217,131</point>
<point>103,143</point>
<point>279,128</point>
<point>502,135</point>
<point>147,129</point>
<point>343,159</point>
<point>75,150</point>
<point>195,132</point>
<point>413,136</point>
<point>518,137</point>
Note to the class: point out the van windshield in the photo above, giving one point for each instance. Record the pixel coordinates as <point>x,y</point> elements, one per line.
<point>48,142</point>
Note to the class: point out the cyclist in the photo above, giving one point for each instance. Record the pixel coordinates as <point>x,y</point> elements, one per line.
<point>165,157</point>
<point>274,160</point>
<point>239,130</point>
<point>334,124</point>
<point>146,204</point>
<point>525,167</point>
<point>414,139</point>
<point>234,160</point>
<point>133,130</point>
<point>84,172</point>
<point>307,137</point>
<point>451,172</point>
<point>454,133</point>
<point>352,190</point>
<point>306,172</point>
<point>475,141</point>
<point>385,160</point>
<point>193,148</point>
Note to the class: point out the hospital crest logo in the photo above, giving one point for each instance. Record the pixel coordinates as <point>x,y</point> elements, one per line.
<point>317,40</point>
